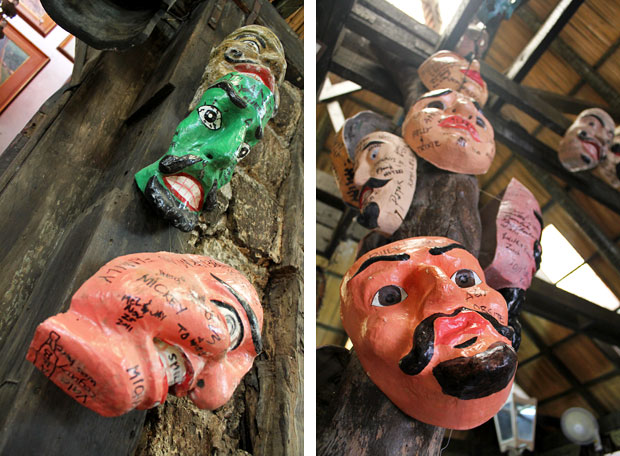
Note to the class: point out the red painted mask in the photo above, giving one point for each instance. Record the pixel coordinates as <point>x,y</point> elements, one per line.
<point>447,129</point>
<point>511,240</point>
<point>151,323</point>
<point>447,70</point>
<point>587,140</point>
<point>430,333</point>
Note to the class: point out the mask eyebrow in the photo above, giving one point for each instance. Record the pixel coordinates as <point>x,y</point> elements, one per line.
<point>256,37</point>
<point>434,94</point>
<point>372,143</point>
<point>228,88</point>
<point>369,261</point>
<point>446,248</point>
<point>254,327</point>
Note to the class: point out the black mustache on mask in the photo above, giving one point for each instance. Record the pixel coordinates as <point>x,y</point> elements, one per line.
<point>373,182</point>
<point>424,340</point>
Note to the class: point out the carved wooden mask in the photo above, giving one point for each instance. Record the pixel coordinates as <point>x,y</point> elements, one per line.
<point>149,323</point>
<point>385,174</point>
<point>587,141</point>
<point>428,330</point>
<point>448,70</point>
<point>447,129</point>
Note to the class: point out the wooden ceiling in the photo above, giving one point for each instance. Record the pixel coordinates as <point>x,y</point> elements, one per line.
<point>569,355</point>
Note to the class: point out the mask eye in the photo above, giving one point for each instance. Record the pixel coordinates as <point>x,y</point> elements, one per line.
<point>233,322</point>
<point>253,45</point>
<point>242,152</point>
<point>388,296</point>
<point>465,278</point>
<point>374,153</point>
<point>210,116</point>
<point>480,122</point>
<point>436,104</point>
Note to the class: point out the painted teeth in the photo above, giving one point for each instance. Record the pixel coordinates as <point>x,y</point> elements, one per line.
<point>186,189</point>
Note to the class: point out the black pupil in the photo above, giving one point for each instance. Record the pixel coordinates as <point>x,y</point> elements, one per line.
<point>465,278</point>
<point>210,116</point>
<point>435,104</point>
<point>389,295</point>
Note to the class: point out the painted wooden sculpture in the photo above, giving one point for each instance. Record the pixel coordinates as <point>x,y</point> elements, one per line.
<point>447,129</point>
<point>228,120</point>
<point>151,323</point>
<point>375,170</point>
<point>587,141</point>
<point>609,168</point>
<point>429,331</point>
<point>448,70</point>
<point>510,249</point>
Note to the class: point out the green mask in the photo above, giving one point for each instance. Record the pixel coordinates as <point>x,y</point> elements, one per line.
<point>206,146</point>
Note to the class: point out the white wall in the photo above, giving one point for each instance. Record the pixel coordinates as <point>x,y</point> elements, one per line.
<point>47,81</point>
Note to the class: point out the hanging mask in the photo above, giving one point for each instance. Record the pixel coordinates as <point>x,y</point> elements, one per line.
<point>206,146</point>
<point>609,168</point>
<point>151,323</point>
<point>428,330</point>
<point>385,174</point>
<point>587,140</point>
<point>447,70</point>
<point>447,129</point>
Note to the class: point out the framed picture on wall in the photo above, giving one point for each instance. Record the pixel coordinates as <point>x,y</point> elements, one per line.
<point>32,12</point>
<point>20,61</point>
<point>67,47</point>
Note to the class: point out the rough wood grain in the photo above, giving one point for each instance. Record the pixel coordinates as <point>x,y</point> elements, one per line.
<point>364,422</point>
<point>69,206</point>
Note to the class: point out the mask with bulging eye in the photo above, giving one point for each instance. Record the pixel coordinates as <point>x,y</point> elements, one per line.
<point>253,50</point>
<point>429,331</point>
<point>447,70</point>
<point>609,168</point>
<point>447,129</point>
<point>385,174</point>
<point>149,324</point>
<point>587,141</point>
<point>206,146</point>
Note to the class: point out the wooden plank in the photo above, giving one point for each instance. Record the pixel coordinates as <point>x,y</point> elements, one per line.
<point>90,219</point>
<point>462,17</point>
<point>573,59</point>
<point>330,20</point>
<point>546,33</point>
<point>413,51</point>
<point>568,104</point>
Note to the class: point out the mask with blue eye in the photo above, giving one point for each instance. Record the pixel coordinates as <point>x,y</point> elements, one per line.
<point>206,146</point>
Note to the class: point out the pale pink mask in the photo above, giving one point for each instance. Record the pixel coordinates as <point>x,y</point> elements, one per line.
<point>587,140</point>
<point>513,228</point>
<point>447,129</point>
<point>609,168</point>
<point>151,323</point>
<point>385,174</point>
<point>447,70</point>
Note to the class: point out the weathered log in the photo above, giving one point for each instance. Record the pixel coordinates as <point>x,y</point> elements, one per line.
<point>362,421</point>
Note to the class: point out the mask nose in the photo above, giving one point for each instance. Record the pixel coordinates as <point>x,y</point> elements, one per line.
<point>437,293</point>
<point>465,109</point>
<point>362,174</point>
<point>582,134</point>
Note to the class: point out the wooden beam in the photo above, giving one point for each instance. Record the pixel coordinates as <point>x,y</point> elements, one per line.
<point>565,371</point>
<point>569,310</point>
<point>463,16</point>
<point>588,73</point>
<point>546,33</point>
<point>569,104</point>
<point>413,51</point>
<point>375,78</point>
<point>330,19</point>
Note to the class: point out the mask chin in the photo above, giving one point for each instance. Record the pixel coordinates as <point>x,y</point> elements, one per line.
<point>168,207</point>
